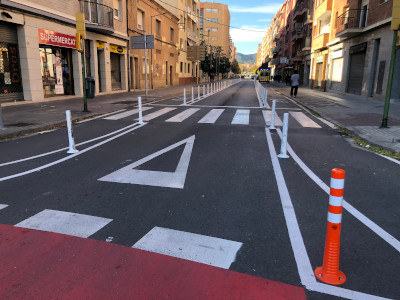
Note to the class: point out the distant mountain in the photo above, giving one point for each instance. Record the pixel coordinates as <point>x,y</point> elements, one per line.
<point>246,58</point>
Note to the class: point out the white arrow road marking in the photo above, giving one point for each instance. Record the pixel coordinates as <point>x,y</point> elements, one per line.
<point>190,246</point>
<point>175,179</point>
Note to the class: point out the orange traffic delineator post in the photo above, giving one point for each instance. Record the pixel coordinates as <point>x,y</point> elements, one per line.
<point>329,272</point>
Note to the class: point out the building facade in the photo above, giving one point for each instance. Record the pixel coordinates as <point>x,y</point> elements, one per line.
<point>38,57</point>
<point>150,18</point>
<point>216,22</point>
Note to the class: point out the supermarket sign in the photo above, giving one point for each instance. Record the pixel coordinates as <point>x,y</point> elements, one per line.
<point>56,39</point>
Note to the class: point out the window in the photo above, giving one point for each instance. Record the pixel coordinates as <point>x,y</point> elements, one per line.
<point>188,68</point>
<point>140,19</point>
<point>201,21</point>
<point>201,12</point>
<point>118,9</point>
<point>215,20</point>
<point>181,67</point>
<point>211,10</point>
<point>171,34</point>
<point>208,19</point>
<point>181,45</point>
<point>158,27</point>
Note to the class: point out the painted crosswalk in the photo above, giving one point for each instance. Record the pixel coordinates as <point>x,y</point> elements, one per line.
<point>126,113</point>
<point>183,115</point>
<point>212,116</point>
<point>304,120</point>
<point>242,116</point>
<point>190,246</point>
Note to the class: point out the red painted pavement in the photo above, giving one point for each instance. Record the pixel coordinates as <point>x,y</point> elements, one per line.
<point>43,265</point>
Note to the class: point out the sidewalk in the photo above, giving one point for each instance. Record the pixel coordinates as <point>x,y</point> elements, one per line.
<point>25,117</point>
<point>361,116</point>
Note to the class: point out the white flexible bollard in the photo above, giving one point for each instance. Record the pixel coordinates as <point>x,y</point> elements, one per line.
<point>204,91</point>
<point>198,92</point>
<point>192,94</point>
<point>71,149</point>
<point>140,110</point>
<point>184,96</point>
<point>271,126</point>
<point>214,87</point>
<point>265,97</point>
<point>208,89</point>
<point>283,153</point>
<point>1,119</point>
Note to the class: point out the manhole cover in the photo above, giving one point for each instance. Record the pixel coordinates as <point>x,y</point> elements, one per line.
<point>19,124</point>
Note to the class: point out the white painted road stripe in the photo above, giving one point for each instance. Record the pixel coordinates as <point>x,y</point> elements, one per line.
<point>3,206</point>
<point>267,117</point>
<point>304,120</point>
<point>190,246</point>
<point>212,116</point>
<point>241,117</point>
<point>65,223</point>
<point>157,114</point>
<point>127,113</point>
<point>183,115</point>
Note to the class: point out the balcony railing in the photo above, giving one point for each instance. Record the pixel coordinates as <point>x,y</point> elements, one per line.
<point>98,14</point>
<point>276,49</point>
<point>351,22</point>
<point>300,9</point>
<point>320,41</point>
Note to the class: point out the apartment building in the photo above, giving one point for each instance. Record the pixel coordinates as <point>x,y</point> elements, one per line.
<point>38,57</point>
<point>150,18</point>
<point>215,24</point>
<point>351,47</point>
<point>188,12</point>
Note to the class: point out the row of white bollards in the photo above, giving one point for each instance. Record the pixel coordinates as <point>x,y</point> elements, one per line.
<point>211,89</point>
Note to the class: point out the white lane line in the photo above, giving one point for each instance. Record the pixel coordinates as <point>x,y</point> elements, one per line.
<point>304,267</point>
<point>3,206</point>
<point>70,156</point>
<point>190,246</point>
<point>304,120</point>
<point>127,113</point>
<point>212,116</point>
<point>65,148</point>
<point>389,158</point>
<point>241,117</point>
<point>300,253</point>
<point>351,209</point>
<point>183,115</point>
<point>157,113</point>
<point>129,174</point>
<point>65,223</point>
<point>267,117</point>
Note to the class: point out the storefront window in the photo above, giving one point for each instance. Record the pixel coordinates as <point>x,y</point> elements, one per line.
<point>10,74</point>
<point>56,67</point>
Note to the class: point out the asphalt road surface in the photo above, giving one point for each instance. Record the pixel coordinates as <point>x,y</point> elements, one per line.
<point>208,173</point>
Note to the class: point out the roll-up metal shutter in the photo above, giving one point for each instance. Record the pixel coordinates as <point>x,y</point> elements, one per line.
<point>8,33</point>
<point>336,78</point>
<point>356,72</point>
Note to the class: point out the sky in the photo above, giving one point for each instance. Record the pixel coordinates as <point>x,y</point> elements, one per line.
<point>253,16</point>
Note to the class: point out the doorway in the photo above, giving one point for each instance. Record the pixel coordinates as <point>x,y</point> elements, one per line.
<point>171,82</point>
<point>136,73</point>
<point>166,73</point>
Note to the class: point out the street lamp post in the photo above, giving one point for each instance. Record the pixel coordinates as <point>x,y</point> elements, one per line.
<point>151,50</point>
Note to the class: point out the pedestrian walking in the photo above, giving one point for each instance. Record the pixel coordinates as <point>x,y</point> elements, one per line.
<point>295,78</point>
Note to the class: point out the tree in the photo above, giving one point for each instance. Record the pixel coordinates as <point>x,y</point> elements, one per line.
<point>235,67</point>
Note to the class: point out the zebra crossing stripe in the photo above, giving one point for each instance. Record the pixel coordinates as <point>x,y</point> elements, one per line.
<point>65,223</point>
<point>157,113</point>
<point>304,120</point>
<point>267,116</point>
<point>212,116</point>
<point>190,246</point>
<point>126,113</point>
<point>183,115</point>
<point>241,117</point>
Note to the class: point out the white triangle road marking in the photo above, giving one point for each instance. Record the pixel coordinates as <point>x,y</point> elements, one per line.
<point>175,179</point>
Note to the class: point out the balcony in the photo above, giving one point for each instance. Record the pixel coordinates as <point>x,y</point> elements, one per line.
<point>99,17</point>
<point>307,44</point>
<point>192,14</point>
<point>309,19</point>
<point>191,34</point>
<point>322,9</point>
<point>276,49</point>
<point>300,9</point>
<point>320,41</point>
<point>274,62</point>
<point>351,23</point>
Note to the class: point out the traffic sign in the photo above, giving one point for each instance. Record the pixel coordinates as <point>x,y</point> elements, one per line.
<point>138,42</point>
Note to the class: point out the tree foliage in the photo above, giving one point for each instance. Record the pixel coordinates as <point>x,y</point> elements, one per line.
<point>235,67</point>
<point>215,62</point>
